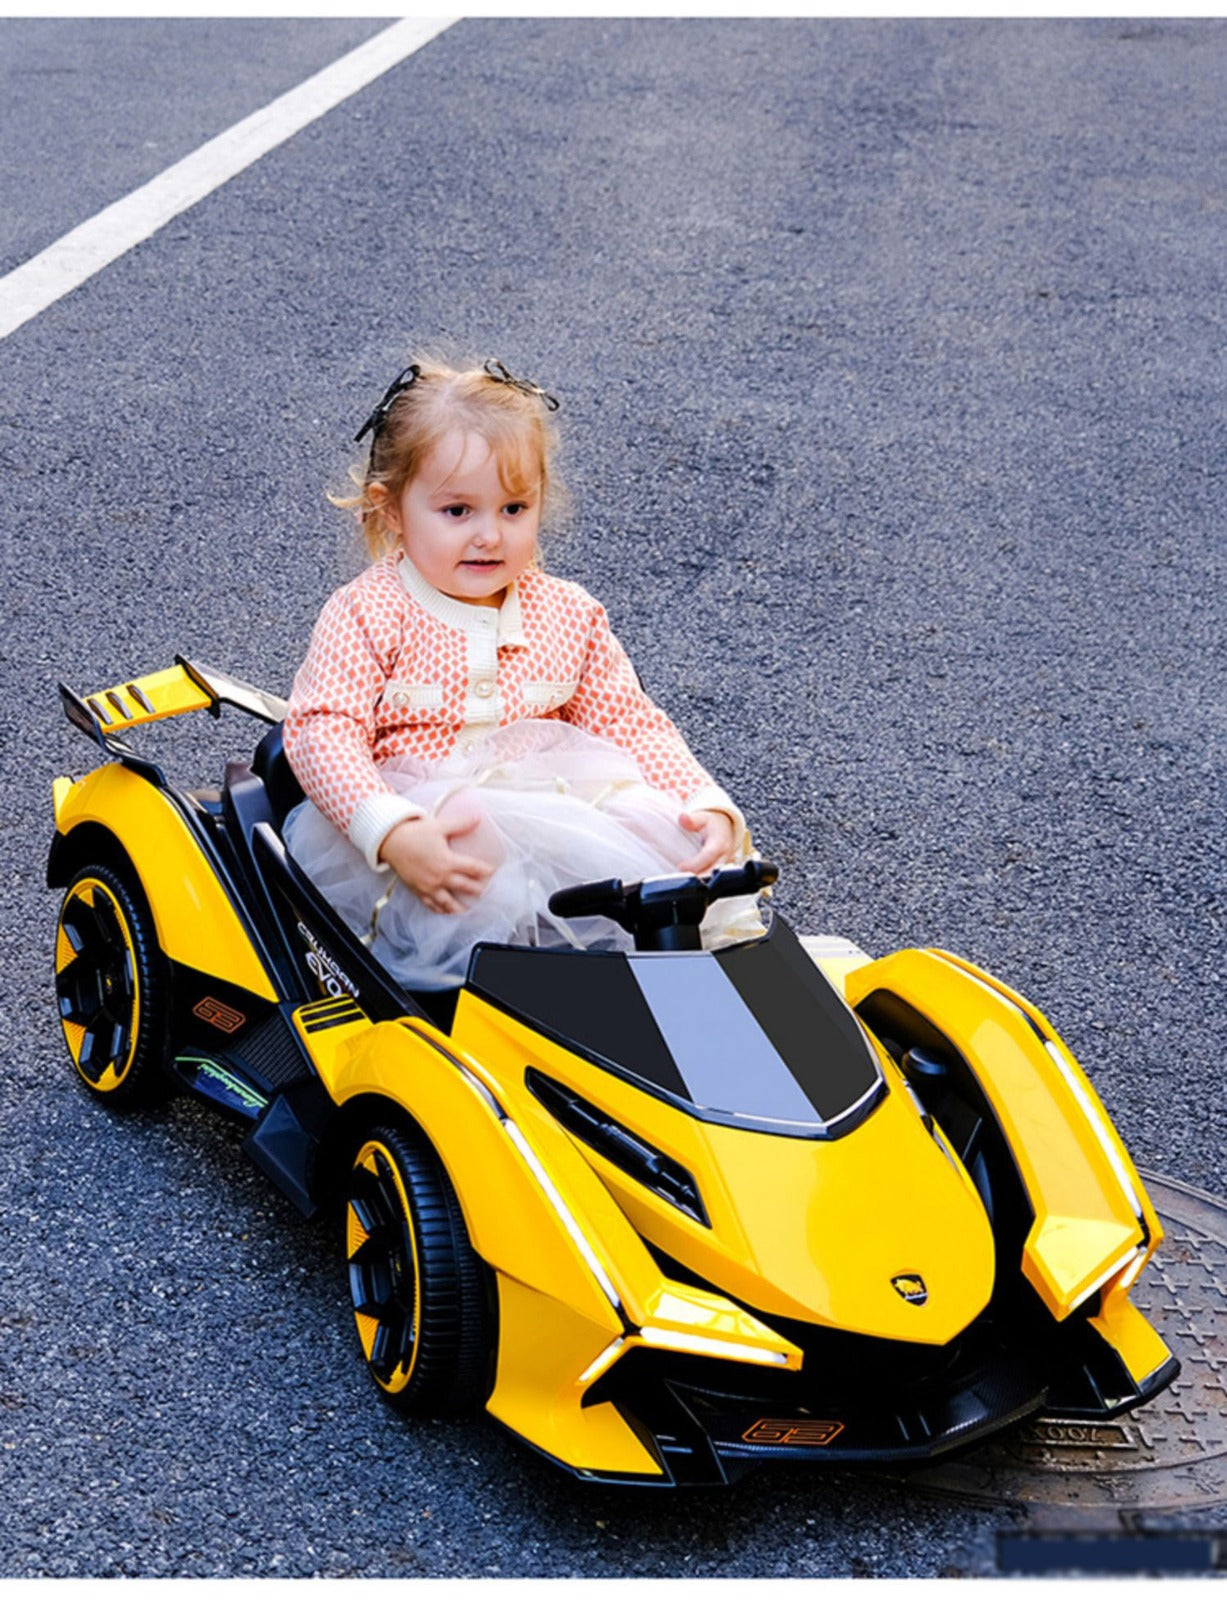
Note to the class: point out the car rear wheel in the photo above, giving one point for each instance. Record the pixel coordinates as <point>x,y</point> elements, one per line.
<point>111,982</point>
<point>419,1290</point>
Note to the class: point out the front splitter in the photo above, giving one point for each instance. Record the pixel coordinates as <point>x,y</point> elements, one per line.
<point>1171,1454</point>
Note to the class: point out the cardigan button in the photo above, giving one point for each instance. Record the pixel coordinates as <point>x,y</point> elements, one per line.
<point>485,688</point>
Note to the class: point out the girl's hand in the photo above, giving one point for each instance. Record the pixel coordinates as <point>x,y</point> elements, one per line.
<point>717,843</point>
<point>419,851</point>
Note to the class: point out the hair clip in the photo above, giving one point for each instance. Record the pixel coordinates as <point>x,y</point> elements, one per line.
<point>403,380</point>
<point>497,371</point>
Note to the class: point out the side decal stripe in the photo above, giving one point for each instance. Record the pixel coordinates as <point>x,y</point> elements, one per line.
<point>339,1021</point>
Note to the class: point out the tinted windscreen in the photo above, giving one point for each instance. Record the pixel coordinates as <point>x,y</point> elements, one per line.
<point>754,1031</point>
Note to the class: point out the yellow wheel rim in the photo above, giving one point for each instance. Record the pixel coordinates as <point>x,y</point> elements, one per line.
<point>384,1270</point>
<point>97,985</point>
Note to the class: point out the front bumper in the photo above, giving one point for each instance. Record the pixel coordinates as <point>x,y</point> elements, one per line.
<point>866,1400</point>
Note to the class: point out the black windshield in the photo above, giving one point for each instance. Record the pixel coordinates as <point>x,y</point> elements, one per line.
<point>751,1033</point>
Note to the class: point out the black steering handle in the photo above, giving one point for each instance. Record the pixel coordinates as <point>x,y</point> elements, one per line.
<point>662,913</point>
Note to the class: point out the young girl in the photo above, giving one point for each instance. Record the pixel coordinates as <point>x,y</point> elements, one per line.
<point>469,733</point>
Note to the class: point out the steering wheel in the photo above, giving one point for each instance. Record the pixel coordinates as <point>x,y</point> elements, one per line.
<point>662,913</point>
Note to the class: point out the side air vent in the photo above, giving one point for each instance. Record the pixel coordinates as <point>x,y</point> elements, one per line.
<point>626,1150</point>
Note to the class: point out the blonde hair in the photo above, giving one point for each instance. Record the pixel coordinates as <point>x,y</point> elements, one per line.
<point>512,420</point>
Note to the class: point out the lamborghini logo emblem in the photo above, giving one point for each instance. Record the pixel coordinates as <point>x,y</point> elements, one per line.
<point>912,1287</point>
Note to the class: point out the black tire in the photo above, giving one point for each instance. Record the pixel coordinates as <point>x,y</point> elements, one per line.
<point>113,987</point>
<point>420,1292</point>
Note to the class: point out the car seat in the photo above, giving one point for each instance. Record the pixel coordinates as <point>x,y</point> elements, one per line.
<point>271,765</point>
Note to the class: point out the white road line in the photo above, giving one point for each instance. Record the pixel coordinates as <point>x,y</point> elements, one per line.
<point>64,265</point>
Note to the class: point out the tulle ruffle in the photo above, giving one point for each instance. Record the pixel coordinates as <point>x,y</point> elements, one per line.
<point>555,806</point>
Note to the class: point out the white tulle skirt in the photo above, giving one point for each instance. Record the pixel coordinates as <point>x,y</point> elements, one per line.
<point>556,806</point>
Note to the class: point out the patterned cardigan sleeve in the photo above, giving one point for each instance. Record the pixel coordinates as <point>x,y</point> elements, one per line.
<point>611,703</point>
<point>330,726</point>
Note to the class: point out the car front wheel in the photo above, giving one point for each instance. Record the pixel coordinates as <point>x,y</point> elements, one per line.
<point>421,1295</point>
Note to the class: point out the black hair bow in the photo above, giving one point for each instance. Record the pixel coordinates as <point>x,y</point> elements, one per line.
<point>403,380</point>
<point>497,371</point>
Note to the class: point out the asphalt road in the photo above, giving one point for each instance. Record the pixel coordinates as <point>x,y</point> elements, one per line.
<point>891,358</point>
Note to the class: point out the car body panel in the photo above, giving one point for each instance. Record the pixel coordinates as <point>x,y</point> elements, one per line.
<point>509,1215</point>
<point>1084,1090</point>
<point>1122,1326</point>
<point>539,1389</point>
<point>1084,1217</point>
<point>197,923</point>
<point>791,1228</point>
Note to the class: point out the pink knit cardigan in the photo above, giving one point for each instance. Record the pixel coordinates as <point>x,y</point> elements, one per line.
<point>397,668</point>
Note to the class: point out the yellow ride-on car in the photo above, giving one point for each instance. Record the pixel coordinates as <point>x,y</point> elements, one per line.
<point>664,1213</point>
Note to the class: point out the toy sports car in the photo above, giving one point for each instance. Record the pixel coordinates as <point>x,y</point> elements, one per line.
<point>664,1214</point>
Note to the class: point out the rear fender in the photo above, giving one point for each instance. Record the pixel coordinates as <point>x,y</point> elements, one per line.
<point>196,922</point>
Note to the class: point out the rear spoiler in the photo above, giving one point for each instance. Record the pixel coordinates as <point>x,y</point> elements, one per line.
<point>184,687</point>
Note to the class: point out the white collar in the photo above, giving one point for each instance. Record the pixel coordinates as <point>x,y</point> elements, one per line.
<point>462,614</point>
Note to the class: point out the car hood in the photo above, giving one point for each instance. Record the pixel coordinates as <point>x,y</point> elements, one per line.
<point>824,1194</point>
<point>753,1035</point>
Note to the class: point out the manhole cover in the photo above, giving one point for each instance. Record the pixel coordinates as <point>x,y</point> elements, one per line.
<point>1170,1454</point>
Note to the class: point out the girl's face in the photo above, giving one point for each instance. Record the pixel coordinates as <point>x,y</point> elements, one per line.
<point>459,526</point>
